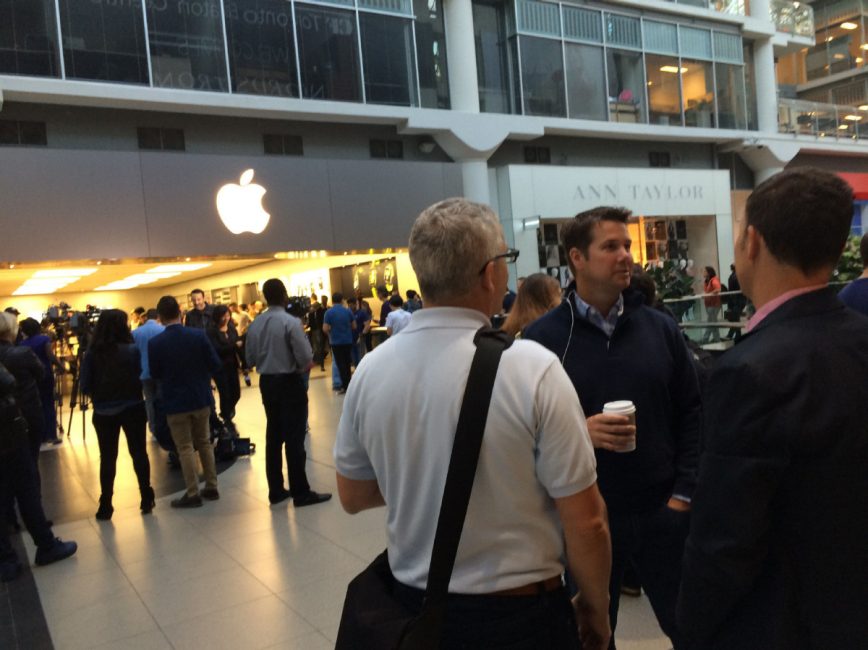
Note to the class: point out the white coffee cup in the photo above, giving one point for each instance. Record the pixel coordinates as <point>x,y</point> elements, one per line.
<point>623,407</point>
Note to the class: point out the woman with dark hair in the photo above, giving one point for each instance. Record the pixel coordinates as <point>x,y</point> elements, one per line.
<point>42,348</point>
<point>225,340</point>
<point>538,294</point>
<point>712,302</point>
<point>110,374</point>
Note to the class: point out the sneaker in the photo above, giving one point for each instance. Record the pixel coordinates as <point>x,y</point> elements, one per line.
<point>187,502</point>
<point>211,494</point>
<point>59,550</point>
<point>311,499</point>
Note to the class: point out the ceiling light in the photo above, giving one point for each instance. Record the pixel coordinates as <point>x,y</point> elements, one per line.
<point>837,56</point>
<point>673,69</point>
<point>858,59</point>
<point>135,280</point>
<point>863,107</point>
<point>829,39</point>
<point>843,127</point>
<point>853,118</point>
<point>864,46</point>
<point>849,26</point>
<point>179,268</point>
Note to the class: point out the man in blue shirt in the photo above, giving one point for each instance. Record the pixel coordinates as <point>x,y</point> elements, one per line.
<point>363,320</point>
<point>182,361</point>
<point>855,294</point>
<point>339,325</point>
<point>141,335</point>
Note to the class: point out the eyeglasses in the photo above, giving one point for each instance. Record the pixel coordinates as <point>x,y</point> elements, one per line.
<point>510,256</point>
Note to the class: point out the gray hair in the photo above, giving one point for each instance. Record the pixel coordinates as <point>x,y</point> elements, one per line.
<point>449,243</point>
<point>8,327</point>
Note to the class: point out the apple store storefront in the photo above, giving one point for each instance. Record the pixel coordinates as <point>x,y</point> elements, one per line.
<point>137,225</point>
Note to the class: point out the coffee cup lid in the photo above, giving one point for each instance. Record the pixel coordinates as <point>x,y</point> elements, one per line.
<point>620,406</point>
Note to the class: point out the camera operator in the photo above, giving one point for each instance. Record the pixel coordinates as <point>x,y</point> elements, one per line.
<point>19,481</point>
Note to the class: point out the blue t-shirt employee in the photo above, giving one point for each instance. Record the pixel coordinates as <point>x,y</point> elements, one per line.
<point>338,324</point>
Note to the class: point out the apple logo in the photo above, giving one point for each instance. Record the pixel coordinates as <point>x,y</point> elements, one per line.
<point>240,206</point>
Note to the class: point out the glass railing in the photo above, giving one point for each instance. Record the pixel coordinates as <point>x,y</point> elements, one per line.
<point>822,120</point>
<point>736,7</point>
<point>711,320</point>
<point>792,17</point>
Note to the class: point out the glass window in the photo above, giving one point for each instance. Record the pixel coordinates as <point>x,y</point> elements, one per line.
<point>586,81</point>
<point>261,47</point>
<point>624,31</point>
<point>104,41</point>
<point>28,38</point>
<point>387,56</point>
<point>542,18</point>
<point>750,87</point>
<point>496,77</point>
<point>328,53</point>
<point>664,95</point>
<point>731,98</point>
<point>582,24</point>
<point>186,41</point>
<point>431,54</point>
<point>542,73</point>
<point>697,84</point>
<point>626,86</point>
<point>695,42</point>
<point>660,37</point>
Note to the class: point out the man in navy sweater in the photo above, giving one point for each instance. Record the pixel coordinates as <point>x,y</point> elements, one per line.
<point>615,348</point>
<point>182,361</point>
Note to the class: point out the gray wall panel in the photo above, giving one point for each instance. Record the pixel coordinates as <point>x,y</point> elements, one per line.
<point>379,201</point>
<point>57,204</point>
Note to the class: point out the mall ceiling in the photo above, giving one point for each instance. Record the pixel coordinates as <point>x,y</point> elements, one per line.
<point>12,277</point>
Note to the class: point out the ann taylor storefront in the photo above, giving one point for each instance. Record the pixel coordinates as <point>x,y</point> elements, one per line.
<point>680,215</point>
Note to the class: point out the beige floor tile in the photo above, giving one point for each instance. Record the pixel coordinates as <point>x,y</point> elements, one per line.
<point>117,617</point>
<point>153,640</point>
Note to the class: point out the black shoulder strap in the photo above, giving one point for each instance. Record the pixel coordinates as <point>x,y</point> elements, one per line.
<point>490,344</point>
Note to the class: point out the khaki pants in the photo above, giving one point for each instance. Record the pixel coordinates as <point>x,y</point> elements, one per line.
<point>189,431</point>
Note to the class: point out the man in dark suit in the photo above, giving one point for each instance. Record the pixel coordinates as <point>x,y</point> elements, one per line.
<point>182,361</point>
<point>777,555</point>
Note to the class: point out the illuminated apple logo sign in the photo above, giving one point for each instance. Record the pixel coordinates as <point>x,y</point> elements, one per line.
<point>240,206</point>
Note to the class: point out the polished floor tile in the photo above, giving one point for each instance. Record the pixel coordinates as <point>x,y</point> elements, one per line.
<point>237,573</point>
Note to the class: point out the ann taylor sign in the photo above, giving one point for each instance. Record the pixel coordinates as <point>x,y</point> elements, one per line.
<point>559,192</point>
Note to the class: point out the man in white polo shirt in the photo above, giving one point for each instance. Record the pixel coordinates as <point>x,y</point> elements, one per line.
<point>534,501</point>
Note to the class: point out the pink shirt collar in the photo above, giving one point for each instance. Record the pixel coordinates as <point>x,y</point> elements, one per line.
<point>772,305</point>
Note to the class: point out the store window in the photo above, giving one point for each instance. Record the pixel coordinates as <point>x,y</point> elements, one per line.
<point>104,41</point>
<point>431,54</point>
<point>186,41</point>
<point>496,78</point>
<point>14,132</point>
<point>28,38</point>
<point>328,53</point>
<point>157,138</point>
<point>697,83</point>
<point>542,74</point>
<point>586,81</point>
<point>278,144</point>
<point>387,54</point>
<point>260,35</point>
<point>731,96</point>
<point>626,86</point>
<point>664,95</point>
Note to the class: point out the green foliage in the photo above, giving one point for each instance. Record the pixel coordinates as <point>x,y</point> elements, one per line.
<point>671,280</point>
<point>850,265</point>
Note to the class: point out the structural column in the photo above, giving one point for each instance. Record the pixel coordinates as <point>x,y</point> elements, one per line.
<point>764,72</point>
<point>461,55</point>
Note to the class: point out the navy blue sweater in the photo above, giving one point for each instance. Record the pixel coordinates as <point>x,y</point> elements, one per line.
<point>645,361</point>
<point>182,361</point>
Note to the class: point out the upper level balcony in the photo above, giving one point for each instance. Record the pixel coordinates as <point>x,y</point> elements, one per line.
<point>795,18</point>
<point>823,120</point>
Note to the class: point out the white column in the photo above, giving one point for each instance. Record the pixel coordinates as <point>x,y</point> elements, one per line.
<point>461,55</point>
<point>764,73</point>
<point>474,174</point>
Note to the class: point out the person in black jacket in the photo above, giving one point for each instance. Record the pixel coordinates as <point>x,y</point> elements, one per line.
<point>614,348</point>
<point>200,316</point>
<point>19,481</point>
<point>777,556</point>
<point>110,374</point>
<point>28,371</point>
<point>226,343</point>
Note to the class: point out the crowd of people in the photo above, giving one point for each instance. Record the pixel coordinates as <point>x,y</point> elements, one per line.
<point>733,490</point>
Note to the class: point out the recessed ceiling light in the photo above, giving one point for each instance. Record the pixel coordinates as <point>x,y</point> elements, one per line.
<point>673,69</point>
<point>849,26</point>
<point>837,56</point>
<point>843,127</point>
<point>853,118</point>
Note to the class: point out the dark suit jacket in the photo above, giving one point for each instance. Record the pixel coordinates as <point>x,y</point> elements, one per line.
<point>182,360</point>
<point>777,557</point>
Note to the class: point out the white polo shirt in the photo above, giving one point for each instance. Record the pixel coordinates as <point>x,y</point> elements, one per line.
<point>536,446</point>
<point>398,319</point>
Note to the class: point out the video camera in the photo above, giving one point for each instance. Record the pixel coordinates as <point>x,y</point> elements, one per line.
<point>298,306</point>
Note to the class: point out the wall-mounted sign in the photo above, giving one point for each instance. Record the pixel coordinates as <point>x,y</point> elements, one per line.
<point>240,206</point>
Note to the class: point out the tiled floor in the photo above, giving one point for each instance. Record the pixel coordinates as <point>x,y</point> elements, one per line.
<point>235,574</point>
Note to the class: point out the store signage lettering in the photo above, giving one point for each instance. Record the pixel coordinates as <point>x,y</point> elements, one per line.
<point>332,24</point>
<point>637,192</point>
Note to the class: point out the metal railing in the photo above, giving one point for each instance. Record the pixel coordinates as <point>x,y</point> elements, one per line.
<point>736,7</point>
<point>822,120</point>
<point>792,17</point>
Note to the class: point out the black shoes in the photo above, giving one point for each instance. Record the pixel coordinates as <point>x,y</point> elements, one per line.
<point>59,550</point>
<point>247,380</point>
<point>187,502</point>
<point>311,499</point>
<point>211,494</point>
<point>148,502</point>
<point>277,497</point>
<point>105,511</point>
